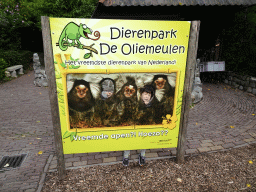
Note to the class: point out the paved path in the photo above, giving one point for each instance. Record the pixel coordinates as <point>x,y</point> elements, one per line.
<point>26,128</point>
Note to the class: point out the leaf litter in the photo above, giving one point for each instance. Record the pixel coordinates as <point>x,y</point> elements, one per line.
<point>220,171</point>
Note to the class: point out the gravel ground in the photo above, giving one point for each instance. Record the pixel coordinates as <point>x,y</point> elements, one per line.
<point>232,170</point>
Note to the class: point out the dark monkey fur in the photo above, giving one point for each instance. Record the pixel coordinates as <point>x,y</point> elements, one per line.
<point>165,94</point>
<point>106,105</point>
<point>80,97</point>
<point>127,99</point>
<point>80,102</point>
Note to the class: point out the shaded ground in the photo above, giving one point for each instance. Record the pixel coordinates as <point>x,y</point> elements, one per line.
<point>233,170</point>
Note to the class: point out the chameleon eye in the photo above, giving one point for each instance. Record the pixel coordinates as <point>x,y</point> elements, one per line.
<point>84,26</point>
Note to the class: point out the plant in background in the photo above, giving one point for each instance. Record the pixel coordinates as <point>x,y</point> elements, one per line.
<point>239,47</point>
<point>59,8</point>
<point>3,66</point>
<point>13,17</point>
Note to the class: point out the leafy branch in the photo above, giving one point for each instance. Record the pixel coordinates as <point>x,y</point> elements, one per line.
<point>70,135</point>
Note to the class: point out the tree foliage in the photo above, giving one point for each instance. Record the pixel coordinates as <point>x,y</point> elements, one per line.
<point>60,8</point>
<point>20,25</point>
<point>13,17</point>
<point>17,14</point>
<point>239,43</point>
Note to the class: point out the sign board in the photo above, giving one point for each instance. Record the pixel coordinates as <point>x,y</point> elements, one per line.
<point>119,82</point>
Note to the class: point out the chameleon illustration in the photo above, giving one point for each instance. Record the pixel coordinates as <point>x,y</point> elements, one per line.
<point>73,32</point>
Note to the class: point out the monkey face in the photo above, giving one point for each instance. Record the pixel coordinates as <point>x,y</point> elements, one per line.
<point>81,91</point>
<point>160,82</point>
<point>129,91</point>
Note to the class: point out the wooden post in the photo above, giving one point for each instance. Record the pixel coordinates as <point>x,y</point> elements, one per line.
<point>49,67</point>
<point>190,70</point>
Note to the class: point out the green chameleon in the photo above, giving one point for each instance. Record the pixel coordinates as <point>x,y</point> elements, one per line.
<point>73,32</point>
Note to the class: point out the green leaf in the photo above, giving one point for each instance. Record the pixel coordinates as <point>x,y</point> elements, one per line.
<point>61,97</point>
<point>76,67</point>
<point>76,59</point>
<point>71,58</point>
<point>58,76</point>
<point>63,65</point>
<point>72,136</point>
<point>87,55</point>
<point>63,112</point>
<point>66,134</point>
<point>58,90</point>
<point>62,107</point>
<point>59,85</point>
<point>55,62</point>
<point>60,93</point>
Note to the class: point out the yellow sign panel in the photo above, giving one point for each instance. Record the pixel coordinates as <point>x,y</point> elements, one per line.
<point>119,82</point>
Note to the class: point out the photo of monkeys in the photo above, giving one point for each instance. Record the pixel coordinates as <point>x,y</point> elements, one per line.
<point>109,100</point>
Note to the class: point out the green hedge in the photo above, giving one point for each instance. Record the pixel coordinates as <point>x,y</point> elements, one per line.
<point>239,43</point>
<point>3,66</point>
<point>10,58</point>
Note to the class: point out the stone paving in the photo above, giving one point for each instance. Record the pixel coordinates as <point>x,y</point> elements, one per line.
<point>26,128</point>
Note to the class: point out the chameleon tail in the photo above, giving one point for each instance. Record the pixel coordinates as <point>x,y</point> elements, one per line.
<point>61,42</point>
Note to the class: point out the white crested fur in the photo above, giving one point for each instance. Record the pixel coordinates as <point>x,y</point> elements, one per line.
<point>139,83</point>
<point>159,94</point>
<point>73,77</point>
<point>138,95</point>
<point>92,78</point>
<point>172,79</point>
<point>69,85</point>
<point>95,89</point>
<point>120,82</point>
<point>148,78</point>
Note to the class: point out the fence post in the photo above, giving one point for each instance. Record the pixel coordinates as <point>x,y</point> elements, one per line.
<point>49,67</point>
<point>190,70</point>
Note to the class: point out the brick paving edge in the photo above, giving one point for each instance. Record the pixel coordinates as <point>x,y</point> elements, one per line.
<point>134,160</point>
<point>227,149</point>
<point>46,167</point>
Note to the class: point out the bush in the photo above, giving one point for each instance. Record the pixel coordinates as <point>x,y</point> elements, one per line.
<point>3,66</point>
<point>21,57</point>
